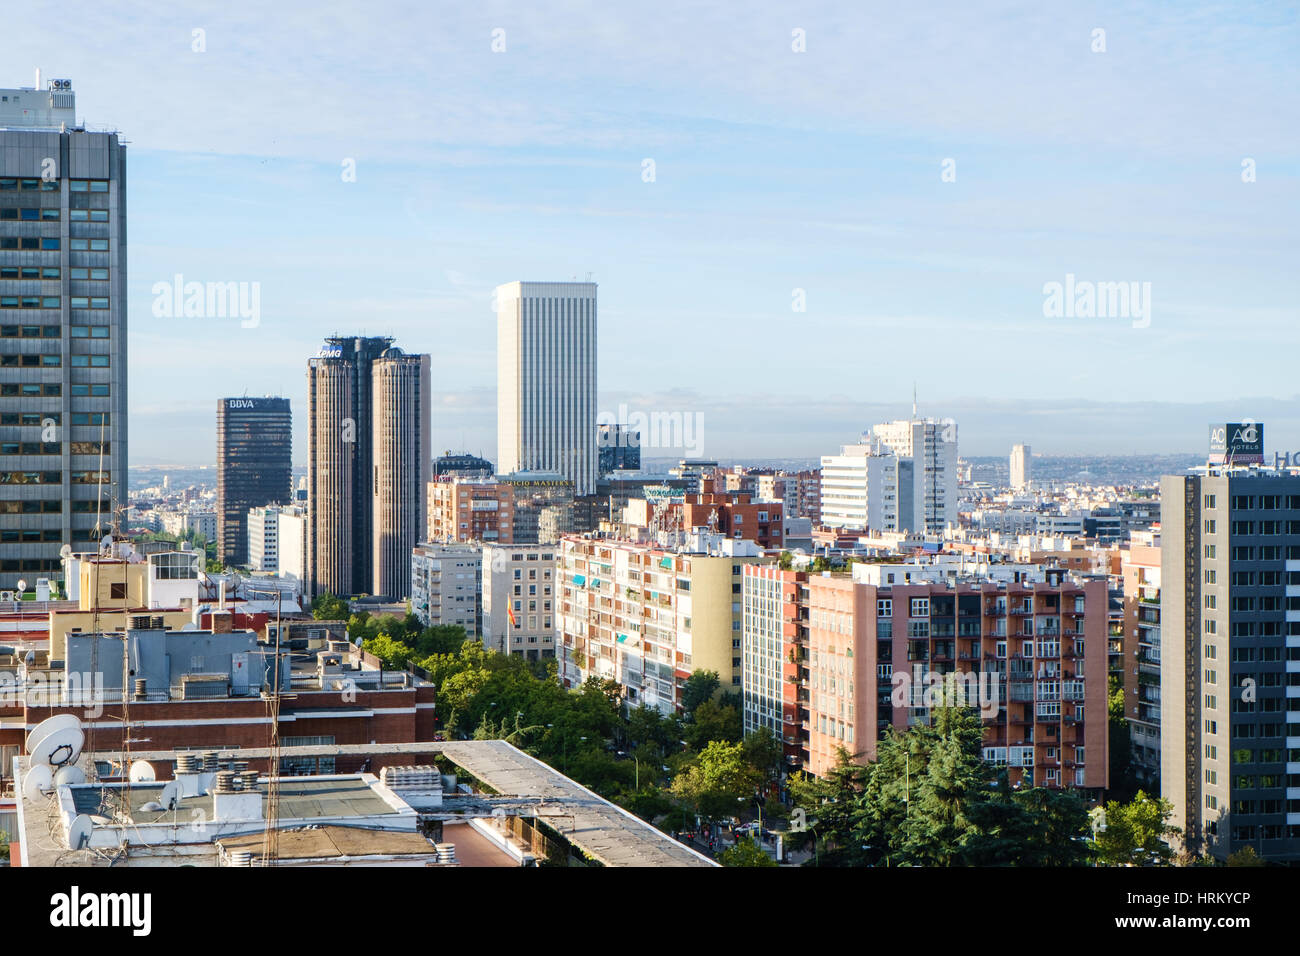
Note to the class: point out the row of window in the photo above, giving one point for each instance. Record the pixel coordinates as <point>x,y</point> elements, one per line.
<point>51,213</point>
<point>53,361</point>
<point>53,331</point>
<point>52,185</point>
<point>53,478</point>
<point>52,302</point>
<point>55,390</point>
<point>52,272</point>
<point>29,537</point>
<point>52,244</point>
<point>31,564</point>
<point>52,506</point>
<point>52,447</point>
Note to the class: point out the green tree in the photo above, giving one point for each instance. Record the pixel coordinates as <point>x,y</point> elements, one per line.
<point>1123,778</point>
<point>1246,856</point>
<point>746,852</point>
<point>1136,832</point>
<point>764,752</point>
<point>831,812</point>
<point>717,781</point>
<point>713,721</point>
<point>327,607</point>
<point>700,686</point>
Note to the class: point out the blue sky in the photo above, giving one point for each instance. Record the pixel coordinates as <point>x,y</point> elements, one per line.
<point>774,171</point>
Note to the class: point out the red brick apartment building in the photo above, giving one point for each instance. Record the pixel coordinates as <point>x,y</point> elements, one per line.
<point>821,651</point>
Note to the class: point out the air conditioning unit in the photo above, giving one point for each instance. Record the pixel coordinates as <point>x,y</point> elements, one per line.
<point>6,595</point>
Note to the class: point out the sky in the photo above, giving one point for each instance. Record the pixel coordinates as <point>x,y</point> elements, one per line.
<point>796,212</point>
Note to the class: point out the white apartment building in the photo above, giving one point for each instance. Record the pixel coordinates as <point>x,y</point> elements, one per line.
<point>546,380</point>
<point>519,599</point>
<point>447,585</point>
<point>277,540</point>
<point>932,447</point>
<point>180,522</point>
<point>863,488</point>
<point>264,538</point>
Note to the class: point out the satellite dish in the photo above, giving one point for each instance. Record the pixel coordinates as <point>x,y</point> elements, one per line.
<point>65,551</point>
<point>153,806</point>
<point>69,776</point>
<point>49,726</point>
<point>170,797</point>
<point>59,746</point>
<point>30,658</point>
<point>22,587</point>
<point>142,772</point>
<point>38,782</point>
<point>358,641</point>
<point>79,832</point>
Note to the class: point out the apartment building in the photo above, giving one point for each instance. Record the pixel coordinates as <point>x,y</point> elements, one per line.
<point>931,446</point>
<point>1230,659</point>
<point>520,599</point>
<point>447,586</point>
<point>470,509</point>
<point>867,650</point>
<point>647,615</point>
<point>1141,652</point>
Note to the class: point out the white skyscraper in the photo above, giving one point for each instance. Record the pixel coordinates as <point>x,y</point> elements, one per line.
<point>932,446</point>
<point>546,380</point>
<point>1019,466</point>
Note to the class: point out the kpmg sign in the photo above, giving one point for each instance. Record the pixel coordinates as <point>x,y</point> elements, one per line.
<point>1237,443</point>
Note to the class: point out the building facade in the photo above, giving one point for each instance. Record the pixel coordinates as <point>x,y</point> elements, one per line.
<point>447,586</point>
<point>647,616</point>
<point>401,454</point>
<point>519,599</point>
<point>1230,643</point>
<point>367,465</point>
<point>254,465</point>
<point>63,331</point>
<point>1019,467</point>
<point>870,650</point>
<point>546,380</point>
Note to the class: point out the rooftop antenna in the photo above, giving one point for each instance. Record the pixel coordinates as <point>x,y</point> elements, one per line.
<point>914,398</point>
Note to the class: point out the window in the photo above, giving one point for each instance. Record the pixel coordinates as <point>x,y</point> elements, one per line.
<point>117,590</point>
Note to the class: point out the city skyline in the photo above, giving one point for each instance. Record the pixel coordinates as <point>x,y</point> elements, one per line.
<point>878,248</point>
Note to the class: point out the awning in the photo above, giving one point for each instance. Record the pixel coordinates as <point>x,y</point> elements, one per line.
<point>665,562</point>
<point>595,582</point>
<point>579,579</point>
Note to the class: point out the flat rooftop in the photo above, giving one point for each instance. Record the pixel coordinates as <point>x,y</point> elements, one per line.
<point>524,787</point>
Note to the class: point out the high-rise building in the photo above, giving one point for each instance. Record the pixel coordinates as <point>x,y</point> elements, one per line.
<point>367,465</point>
<point>63,330</point>
<point>1140,653</point>
<point>254,465</point>
<point>619,448</point>
<point>546,380</point>
<point>1229,636</point>
<point>932,447</point>
<point>400,432</point>
<point>1019,466</point>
